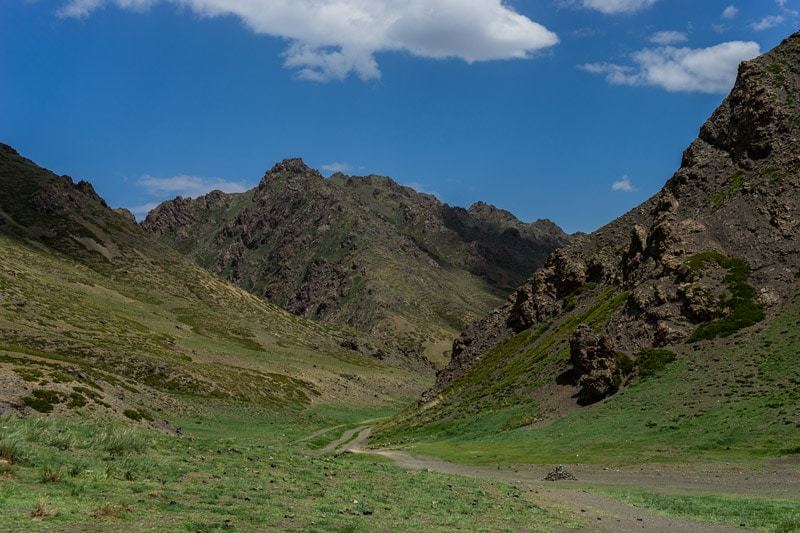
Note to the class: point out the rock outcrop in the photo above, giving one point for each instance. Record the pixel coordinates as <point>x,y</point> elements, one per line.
<point>595,359</point>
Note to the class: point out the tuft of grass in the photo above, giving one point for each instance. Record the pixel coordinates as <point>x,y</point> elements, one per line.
<point>50,474</point>
<point>43,509</point>
<point>744,311</point>
<point>7,471</point>
<point>733,185</point>
<point>12,449</point>
<point>138,414</point>
<point>119,441</point>
<point>29,374</point>
<point>110,510</point>
<point>133,414</point>
<point>63,440</point>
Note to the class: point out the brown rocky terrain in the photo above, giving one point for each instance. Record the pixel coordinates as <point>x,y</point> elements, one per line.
<point>360,251</point>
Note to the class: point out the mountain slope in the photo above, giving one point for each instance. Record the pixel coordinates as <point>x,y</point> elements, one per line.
<point>704,270</point>
<point>360,251</point>
<point>91,307</point>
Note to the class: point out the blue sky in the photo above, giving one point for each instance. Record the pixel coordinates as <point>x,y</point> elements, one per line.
<point>573,110</point>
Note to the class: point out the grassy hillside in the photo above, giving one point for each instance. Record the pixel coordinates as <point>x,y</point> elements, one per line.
<point>736,399</point>
<point>95,315</point>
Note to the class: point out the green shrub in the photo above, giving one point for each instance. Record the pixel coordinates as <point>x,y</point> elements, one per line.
<point>744,311</point>
<point>518,420</point>
<point>625,364</point>
<point>76,400</point>
<point>43,400</point>
<point>133,414</point>
<point>653,361</point>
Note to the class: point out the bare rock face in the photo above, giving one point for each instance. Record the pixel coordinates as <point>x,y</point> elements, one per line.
<point>324,284</point>
<point>539,299</point>
<point>169,216</point>
<point>127,214</point>
<point>62,194</point>
<point>594,357</point>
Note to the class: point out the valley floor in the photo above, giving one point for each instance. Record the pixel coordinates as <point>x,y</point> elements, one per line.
<point>247,469</point>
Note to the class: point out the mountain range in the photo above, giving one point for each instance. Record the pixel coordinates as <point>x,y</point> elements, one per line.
<point>364,252</point>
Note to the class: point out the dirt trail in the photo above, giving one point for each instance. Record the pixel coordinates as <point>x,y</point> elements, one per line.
<point>343,443</point>
<point>600,513</point>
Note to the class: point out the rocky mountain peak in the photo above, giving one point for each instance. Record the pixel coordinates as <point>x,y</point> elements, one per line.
<point>347,249</point>
<point>489,213</point>
<point>293,166</point>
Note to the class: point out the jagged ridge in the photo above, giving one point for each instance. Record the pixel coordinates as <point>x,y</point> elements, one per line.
<point>363,251</point>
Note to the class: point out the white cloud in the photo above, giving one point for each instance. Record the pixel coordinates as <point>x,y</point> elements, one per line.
<point>330,39</point>
<point>668,37</point>
<point>612,7</point>
<point>767,23</point>
<point>623,185</point>
<point>706,70</point>
<point>188,186</point>
<point>336,166</point>
<point>730,12</point>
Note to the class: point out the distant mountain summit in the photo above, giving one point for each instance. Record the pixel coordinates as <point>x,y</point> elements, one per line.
<point>360,250</point>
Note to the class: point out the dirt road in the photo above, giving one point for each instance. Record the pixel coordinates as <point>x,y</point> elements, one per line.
<point>600,513</point>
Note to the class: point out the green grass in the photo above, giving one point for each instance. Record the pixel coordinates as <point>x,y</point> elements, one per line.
<point>12,448</point>
<point>743,312</point>
<point>243,469</point>
<point>733,185</point>
<point>735,399</point>
<point>112,331</point>
<point>763,514</point>
<point>494,394</point>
